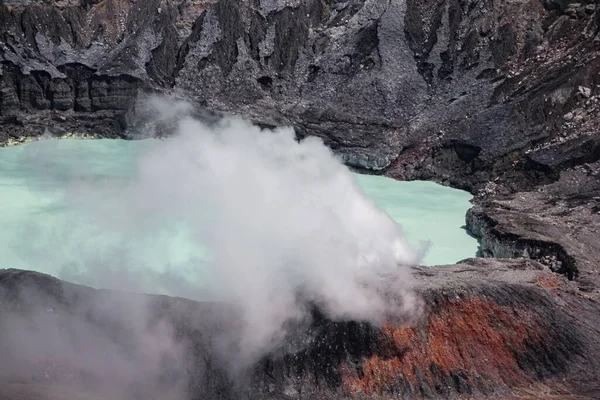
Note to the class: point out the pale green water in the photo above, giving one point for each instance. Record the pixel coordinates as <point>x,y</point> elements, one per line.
<point>39,230</point>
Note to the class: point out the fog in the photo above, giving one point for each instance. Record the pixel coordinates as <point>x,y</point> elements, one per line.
<point>284,225</point>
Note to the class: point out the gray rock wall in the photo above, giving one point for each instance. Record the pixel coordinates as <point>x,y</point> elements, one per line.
<point>447,90</point>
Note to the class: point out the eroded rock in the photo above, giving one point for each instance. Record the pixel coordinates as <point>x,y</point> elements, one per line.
<point>490,327</point>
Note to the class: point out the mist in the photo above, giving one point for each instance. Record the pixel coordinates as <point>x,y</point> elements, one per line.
<point>285,228</point>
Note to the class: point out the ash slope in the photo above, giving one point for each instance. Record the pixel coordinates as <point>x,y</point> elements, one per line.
<point>503,329</point>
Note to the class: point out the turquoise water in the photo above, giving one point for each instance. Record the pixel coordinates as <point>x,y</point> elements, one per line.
<point>41,230</point>
<point>427,212</point>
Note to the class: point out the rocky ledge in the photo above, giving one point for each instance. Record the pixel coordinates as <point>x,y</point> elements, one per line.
<point>557,224</point>
<point>491,328</point>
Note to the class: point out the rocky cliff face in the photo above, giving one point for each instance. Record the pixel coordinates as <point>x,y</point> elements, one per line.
<point>469,88</point>
<point>338,70</point>
<point>499,98</point>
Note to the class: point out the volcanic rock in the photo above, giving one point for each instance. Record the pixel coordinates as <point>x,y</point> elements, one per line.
<point>491,328</point>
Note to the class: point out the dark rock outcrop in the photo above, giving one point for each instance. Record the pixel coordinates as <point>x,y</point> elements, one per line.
<point>491,328</point>
<point>557,224</point>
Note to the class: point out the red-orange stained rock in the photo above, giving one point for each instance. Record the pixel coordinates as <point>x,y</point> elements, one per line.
<point>472,335</point>
<point>549,281</point>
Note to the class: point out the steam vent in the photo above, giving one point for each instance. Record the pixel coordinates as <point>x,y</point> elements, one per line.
<point>241,148</point>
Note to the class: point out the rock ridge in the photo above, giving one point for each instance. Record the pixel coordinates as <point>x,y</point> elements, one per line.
<point>491,328</point>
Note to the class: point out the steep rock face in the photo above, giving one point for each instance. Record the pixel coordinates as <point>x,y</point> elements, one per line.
<point>515,86</point>
<point>338,70</point>
<point>459,91</point>
<point>490,328</point>
<point>76,67</point>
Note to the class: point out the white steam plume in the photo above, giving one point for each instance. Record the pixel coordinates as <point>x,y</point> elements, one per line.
<point>284,221</point>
